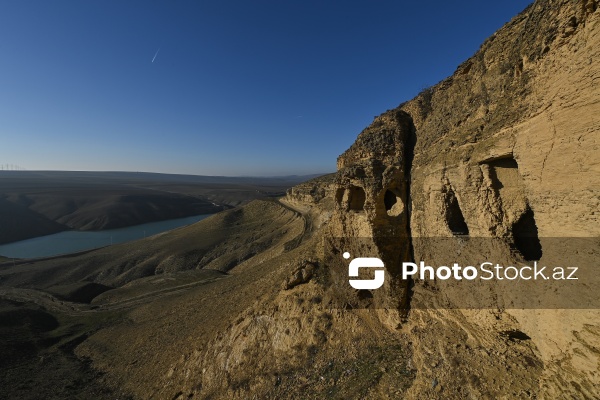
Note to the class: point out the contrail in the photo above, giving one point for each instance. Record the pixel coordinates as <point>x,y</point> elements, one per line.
<point>154,58</point>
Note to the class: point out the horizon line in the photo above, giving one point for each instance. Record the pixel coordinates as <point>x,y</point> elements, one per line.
<point>166,173</point>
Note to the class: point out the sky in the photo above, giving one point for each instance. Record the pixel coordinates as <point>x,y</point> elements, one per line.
<point>223,87</point>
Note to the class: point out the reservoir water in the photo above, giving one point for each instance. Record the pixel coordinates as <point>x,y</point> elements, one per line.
<point>74,241</point>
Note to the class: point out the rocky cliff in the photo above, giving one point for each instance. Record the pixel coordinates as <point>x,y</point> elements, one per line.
<point>506,148</point>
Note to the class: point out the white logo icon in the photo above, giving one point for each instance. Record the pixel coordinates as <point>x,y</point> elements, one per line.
<point>365,262</point>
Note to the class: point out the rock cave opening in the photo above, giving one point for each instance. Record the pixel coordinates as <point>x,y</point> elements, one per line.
<point>525,235</point>
<point>393,203</point>
<point>454,216</point>
<point>339,196</point>
<point>389,200</point>
<point>508,183</point>
<point>356,198</point>
<point>504,172</point>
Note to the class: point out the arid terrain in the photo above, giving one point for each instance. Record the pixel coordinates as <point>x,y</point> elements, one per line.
<point>37,203</point>
<point>497,160</point>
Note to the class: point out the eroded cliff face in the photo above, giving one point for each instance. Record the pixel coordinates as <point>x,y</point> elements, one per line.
<point>371,214</point>
<point>506,148</point>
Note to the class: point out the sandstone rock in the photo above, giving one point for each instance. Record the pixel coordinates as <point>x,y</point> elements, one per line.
<point>301,275</point>
<point>506,148</point>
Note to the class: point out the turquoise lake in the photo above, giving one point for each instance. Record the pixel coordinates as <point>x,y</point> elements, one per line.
<point>74,241</point>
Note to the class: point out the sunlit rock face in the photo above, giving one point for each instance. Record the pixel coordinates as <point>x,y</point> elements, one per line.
<point>505,148</point>
<point>371,204</point>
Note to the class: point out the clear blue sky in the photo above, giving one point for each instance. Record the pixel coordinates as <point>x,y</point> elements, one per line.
<point>238,87</point>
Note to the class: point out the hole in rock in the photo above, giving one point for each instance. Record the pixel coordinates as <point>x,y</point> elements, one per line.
<point>509,185</point>
<point>454,216</point>
<point>525,234</point>
<point>357,198</point>
<point>389,200</point>
<point>393,203</point>
<point>339,195</point>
